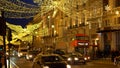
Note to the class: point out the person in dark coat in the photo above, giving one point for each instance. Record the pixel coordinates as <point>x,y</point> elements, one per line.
<point>0,61</point>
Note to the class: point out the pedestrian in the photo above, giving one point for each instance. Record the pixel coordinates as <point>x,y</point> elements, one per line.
<point>0,61</point>
<point>113,54</point>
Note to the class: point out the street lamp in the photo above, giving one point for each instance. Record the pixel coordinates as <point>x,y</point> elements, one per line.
<point>53,35</point>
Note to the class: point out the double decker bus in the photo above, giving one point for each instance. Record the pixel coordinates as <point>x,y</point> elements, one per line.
<point>81,43</point>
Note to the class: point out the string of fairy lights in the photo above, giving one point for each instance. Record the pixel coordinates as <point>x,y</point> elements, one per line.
<point>13,10</point>
<point>18,2</point>
<point>19,9</point>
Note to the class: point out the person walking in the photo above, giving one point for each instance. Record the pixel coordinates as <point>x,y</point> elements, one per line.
<point>0,61</point>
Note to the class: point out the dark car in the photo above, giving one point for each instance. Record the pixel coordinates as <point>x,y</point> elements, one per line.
<point>31,54</point>
<point>76,58</point>
<point>49,61</point>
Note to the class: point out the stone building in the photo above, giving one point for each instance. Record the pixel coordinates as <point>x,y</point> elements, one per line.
<point>99,19</point>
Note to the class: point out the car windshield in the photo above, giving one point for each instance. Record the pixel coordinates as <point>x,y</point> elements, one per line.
<point>51,58</point>
<point>24,50</point>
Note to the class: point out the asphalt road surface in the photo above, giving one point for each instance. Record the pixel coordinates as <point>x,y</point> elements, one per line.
<point>23,63</point>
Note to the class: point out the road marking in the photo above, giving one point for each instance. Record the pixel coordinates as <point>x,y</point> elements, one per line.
<point>14,64</point>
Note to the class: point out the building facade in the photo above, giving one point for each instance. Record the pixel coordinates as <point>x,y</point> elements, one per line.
<point>110,25</point>
<point>99,19</point>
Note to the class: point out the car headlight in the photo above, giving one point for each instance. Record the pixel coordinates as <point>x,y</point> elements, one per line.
<point>85,58</point>
<point>68,66</point>
<point>69,59</point>
<point>45,66</point>
<point>21,54</point>
<point>76,58</point>
<point>30,56</point>
<point>13,54</point>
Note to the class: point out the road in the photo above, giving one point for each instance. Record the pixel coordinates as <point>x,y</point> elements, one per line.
<point>22,63</point>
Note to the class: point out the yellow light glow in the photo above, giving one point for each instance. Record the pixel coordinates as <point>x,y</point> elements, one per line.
<point>117,12</point>
<point>53,26</point>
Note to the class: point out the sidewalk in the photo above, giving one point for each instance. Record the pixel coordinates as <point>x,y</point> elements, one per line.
<point>103,61</point>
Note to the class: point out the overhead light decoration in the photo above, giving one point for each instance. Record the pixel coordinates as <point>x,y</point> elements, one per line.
<point>19,9</point>
<point>72,8</point>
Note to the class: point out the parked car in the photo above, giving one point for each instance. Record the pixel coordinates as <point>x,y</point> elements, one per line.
<point>31,54</point>
<point>49,61</point>
<point>76,58</point>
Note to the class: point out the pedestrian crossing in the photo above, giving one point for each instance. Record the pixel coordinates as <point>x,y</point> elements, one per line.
<point>12,65</point>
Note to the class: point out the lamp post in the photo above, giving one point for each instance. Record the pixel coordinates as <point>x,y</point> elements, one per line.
<point>3,33</point>
<point>53,35</point>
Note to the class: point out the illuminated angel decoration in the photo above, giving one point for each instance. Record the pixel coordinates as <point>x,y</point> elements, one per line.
<point>20,33</point>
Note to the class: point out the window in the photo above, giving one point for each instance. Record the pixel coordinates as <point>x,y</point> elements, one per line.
<point>115,20</point>
<point>105,3</point>
<point>118,20</point>
<point>82,38</point>
<point>106,23</point>
<point>94,25</point>
<point>117,3</point>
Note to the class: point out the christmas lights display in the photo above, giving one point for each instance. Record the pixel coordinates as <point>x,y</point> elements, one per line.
<point>19,9</point>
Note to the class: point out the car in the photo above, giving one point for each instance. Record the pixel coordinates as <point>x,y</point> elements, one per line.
<point>12,53</point>
<point>76,58</point>
<point>87,57</point>
<point>49,61</point>
<point>31,54</point>
<point>65,57</point>
<point>22,52</point>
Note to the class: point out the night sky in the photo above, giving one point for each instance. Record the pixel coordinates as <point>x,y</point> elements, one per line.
<point>22,22</point>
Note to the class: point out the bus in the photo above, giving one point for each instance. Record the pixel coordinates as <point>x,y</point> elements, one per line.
<point>81,43</point>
